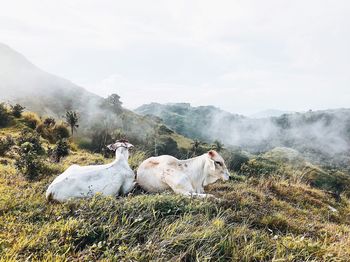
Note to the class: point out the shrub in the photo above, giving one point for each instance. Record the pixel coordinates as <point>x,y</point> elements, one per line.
<point>29,163</point>
<point>45,132</point>
<point>167,146</point>
<point>31,119</point>
<point>60,150</point>
<point>17,110</point>
<point>5,116</point>
<point>5,144</point>
<point>33,138</point>
<point>60,131</point>
<point>49,122</point>
<point>236,160</point>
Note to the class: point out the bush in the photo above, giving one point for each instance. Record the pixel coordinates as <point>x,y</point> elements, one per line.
<point>31,119</point>
<point>5,116</point>
<point>167,146</point>
<point>236,160</point>
<point>49,122</point>
<point>30,163</point>
<point>33,138</point>
<point>17,110</point>
<point>5,144</point>
<point>61,150</point>
<point>60,131</point>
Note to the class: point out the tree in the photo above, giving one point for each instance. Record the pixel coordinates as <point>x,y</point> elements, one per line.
<point>17,110</point>
<point>217,145</point>
<point>195,146</point>
<point>113,102</point>
<point>72,119</point>
<point>61,150</point>
<point>5,117</point>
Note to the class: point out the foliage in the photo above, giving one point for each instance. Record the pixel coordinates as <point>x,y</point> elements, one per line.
<point>60,131</point>
<point>32,137</point>
<point>5,144</point>
<point>5,116</point>
<point>72,119</point>
<point>235,160</point>
<point>167,146</point>
<point>217,145</point>
<point>49,122</point>
<point>31,119</point>
<point>29,163</point>
<point>52,131</point>
<point>113,103</point>
<point>17,110</point>
<point>60,150</point>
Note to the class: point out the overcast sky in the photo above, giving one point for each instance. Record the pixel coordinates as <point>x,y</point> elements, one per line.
<point>242,56</point>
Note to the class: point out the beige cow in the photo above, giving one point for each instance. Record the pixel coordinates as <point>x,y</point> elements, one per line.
<point>186,177</point>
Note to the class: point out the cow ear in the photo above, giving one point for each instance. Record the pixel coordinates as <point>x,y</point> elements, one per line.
<point>130,146</point>
<point>211,153</point>
<point>111,147</point>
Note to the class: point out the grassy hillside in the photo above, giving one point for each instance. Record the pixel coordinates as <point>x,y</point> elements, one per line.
<point>268,211</point>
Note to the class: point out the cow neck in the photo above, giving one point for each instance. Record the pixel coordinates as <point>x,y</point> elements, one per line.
<point>121,154</point>
<point>196,166</point>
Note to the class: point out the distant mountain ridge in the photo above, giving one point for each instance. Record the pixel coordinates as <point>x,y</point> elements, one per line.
<point>270,113</point>
<point>324,135</point>
<point>185,119</point>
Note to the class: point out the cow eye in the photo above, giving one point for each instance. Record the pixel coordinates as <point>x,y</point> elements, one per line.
<point>218,163</point>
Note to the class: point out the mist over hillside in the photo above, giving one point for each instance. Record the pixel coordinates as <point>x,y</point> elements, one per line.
<point>320,135</point>
<point>50,95</point>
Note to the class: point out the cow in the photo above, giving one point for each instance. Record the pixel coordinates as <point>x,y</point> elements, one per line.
<point>85,181</point>
<point>186,177</point>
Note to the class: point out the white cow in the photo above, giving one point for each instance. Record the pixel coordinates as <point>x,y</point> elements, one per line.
<point>186,177</point>
<point>85,181</point>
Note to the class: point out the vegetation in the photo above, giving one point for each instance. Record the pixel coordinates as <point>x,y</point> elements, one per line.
<point>17,110</point>
<point>217,145</point>
<point>277,206</point>
<point>72,119</point>
<point>5,116</point>
<point>31,119</point>
<point>60,150</point>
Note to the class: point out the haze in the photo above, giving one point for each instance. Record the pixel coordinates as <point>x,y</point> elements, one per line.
<point>242,56</point>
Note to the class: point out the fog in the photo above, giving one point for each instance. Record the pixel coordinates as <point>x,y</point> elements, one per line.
<point>318,135</point>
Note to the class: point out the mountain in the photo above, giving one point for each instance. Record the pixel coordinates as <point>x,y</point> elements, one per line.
<point>269,113</point>
<point>193,122</point>
<point>39,91</point>
<point>47,94</point>
<point>323,136</point>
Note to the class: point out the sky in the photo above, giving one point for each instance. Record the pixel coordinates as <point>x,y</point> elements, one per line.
<point>242,56</point>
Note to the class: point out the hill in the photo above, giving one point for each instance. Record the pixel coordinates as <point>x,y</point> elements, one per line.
<point>322,136</point>
<point>269,113</point>
<point>267,212</point>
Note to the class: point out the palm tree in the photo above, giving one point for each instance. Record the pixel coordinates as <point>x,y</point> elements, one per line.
<point>217,145</point>
<point>195,146</point>
<point>72,119</point>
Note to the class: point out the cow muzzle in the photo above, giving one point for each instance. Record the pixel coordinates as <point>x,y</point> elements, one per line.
<point>226,176</point>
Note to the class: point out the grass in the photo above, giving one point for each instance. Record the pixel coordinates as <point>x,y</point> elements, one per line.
<point>252,220</point>
<point>270,214</point>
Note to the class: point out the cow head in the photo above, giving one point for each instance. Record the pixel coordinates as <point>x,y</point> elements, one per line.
<point>121,147</point>
<point>215,168</point>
